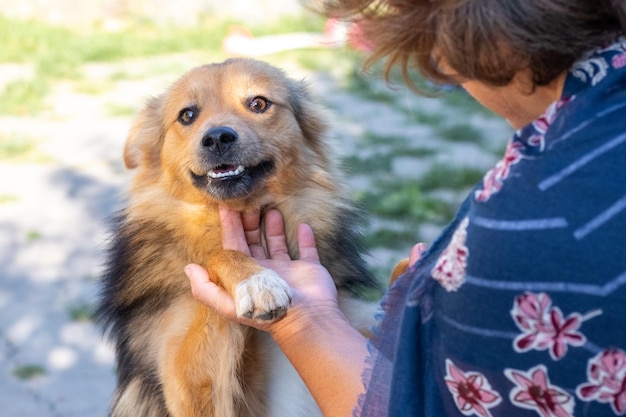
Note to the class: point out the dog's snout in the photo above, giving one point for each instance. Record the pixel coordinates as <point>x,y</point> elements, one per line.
<point>219,139</point>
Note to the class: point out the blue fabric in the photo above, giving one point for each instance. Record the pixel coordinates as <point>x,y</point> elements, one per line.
<point>519,308</point>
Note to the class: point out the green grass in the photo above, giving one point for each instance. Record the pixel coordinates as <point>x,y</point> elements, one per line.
<point>57,49</point>
<point>58,52</point>
<point>20,149</point>
<point>27,372</point>
<point>391,239</point>
<point>368,86</point>
<point>22,97</point>
<point>370,138</point>
<point>33,235</point>
<point>460,133</point>
<point>81,312</point>
<point>8,198</point>
<point>459,99</point>
<point>86,86</point>
<point>355,165</point>
<point>424,118</point>
<point>402,201</point>
<point>406,203</point>
<point>362,84</point>
<point>412,202</point>
<point>12,148</point>
<point>381,162</point>
<point>114,110</point>
<point>449,177</point>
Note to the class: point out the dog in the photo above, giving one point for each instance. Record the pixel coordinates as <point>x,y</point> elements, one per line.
<point>243,134</point>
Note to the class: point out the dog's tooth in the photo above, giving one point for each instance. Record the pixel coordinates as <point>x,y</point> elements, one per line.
<point>213,174</point>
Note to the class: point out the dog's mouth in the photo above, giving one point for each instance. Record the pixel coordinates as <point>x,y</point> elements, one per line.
<point>229,181</point>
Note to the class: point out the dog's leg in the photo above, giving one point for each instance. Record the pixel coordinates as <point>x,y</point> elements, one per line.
<point>259,293</point>
<point>202,360</point>
<point>187,392</point>
<point>201,368</point>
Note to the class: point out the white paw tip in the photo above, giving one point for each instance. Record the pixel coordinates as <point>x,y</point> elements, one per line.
<point>264,296</point>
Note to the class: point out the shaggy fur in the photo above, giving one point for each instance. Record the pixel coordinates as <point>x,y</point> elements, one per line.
<point>243,134</point>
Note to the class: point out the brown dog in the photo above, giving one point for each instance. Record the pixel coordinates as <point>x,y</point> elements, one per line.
<point>243,134</point>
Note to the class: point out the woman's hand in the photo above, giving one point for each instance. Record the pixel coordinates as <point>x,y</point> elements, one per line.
<point>312,287</point>
<point>314,326</point>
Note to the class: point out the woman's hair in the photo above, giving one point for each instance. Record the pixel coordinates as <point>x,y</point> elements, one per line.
<point>483,40</point>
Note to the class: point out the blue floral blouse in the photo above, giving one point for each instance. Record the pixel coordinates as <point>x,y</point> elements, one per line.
<point>519,308</point>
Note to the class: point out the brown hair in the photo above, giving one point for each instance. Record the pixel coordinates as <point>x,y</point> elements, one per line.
<point>483,40</point>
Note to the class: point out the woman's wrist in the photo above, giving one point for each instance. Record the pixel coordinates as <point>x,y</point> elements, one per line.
<point>308,321</point>
<point>327,351</point>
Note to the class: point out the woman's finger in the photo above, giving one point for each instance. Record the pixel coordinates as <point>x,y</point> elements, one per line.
<point>251,222</point>
<point>242,232</point>
<point>209,293</point>
<point>275,235</point>
<point>233,235</point>
<point>306,244</point>
<point>416,253</point>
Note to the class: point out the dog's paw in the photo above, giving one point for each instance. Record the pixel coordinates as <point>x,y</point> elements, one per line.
<point>263,297</point>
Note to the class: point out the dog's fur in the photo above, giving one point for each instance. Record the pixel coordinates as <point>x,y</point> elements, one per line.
<point>176,357</point>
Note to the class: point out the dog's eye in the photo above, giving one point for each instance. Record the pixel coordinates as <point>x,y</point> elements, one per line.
<point>187,115</point>
<point>259,104</point>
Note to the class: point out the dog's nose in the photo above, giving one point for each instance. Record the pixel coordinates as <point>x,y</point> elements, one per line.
<point>219,139</point>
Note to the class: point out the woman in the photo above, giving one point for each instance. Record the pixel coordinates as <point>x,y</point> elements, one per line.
<point>519,307</point>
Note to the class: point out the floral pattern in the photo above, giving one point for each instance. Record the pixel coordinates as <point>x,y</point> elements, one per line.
<point>593,68</point>
<point>606,374</point>
<point>533,391</point>
<point>517,149</point>
<point>471,391</point>
<point>544,327</point>
<point>591,71</point>
<point>618,61</point>
<point>494,178</point>
<point>451,265</point>
<point>543,122</point>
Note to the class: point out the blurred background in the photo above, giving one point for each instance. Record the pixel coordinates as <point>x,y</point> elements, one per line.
<point>72,76</point>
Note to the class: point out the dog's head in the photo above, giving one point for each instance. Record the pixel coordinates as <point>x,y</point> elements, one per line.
<point>237,132</point>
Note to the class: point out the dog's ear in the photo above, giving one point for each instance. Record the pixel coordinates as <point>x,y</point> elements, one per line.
<point>309,115</point>
<point>144,141</point>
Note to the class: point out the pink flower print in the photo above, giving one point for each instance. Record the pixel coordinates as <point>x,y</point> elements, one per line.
<point>472,393</point>
<point>543,122</point>
<point>543,327</point>
<point>530,309</point>
<point>541,125</point>
<point>533,391</point>
<point>451,265</point>
<point>606,375</point>
<point>561,332</point>
<point>618,61</point>
<point>494,178</point>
